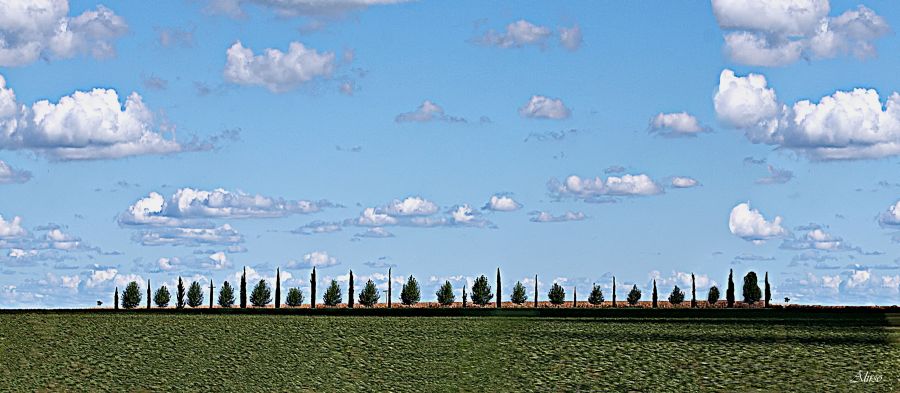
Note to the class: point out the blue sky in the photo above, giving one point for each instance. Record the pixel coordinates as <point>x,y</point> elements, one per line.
<point>642,140</point>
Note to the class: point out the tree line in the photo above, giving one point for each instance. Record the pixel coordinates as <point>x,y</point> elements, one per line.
<point>481,294</point>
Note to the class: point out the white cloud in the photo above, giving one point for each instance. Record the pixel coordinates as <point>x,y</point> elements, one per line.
<point>589,189</point>
<point>684,182</point>
<point>888,218</point>
<point>370,217</point>
<point>82,126</point>
<point>517,35</point>
<point>411,206</point>
<point>427,112</point>
<point>9,175</point>
<point>676,124</point>
<point>275,70</point>
<point>542,216</point>
<point>749,224</point>
<point>318,227</point>
<point>12,228</point>
<point>223,235</point>
<point>502,203</point>
<point>780,32</point>
<point>570,37</point>
<point>168,264</point>
<point>218,260</point>
<point>376,233</point>
<point>419,212</point>
<point>101,276</point>
<point>33,29</point>
<point>319,259</point>
<point>540,107</point>
<point>845,125</point>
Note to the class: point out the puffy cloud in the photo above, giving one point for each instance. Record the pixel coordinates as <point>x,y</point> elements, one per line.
<point>542,216</point>
<point>427,112</point>
<point>101,276</point>
<point>502,203</point>
<point>888,218</point>
<point>818,239</point>
<point>370,217</point>
<point>571,37</point>
<point>33,29</point>
<point>844,125</point>
<point>82,126</point>
<point>682,279</point>
<point>749,224</point>
<point>418,212</point>
<point>293,8</point>
<point>167,264</point>
<point>779,32</point>
<point>676,124</point>
<point>684,182</point>
<point>523,33</point>
<point>317,259</point>
<point>275,70</point>
<point>217,261</point>
<point>375,233</point>
<point>223,235</point>
<point>590,189</point>
<point>11,228</point>
<point>411,206</point>
<point>776,176</point>
<point>9,175</point>
<point>540,107</point>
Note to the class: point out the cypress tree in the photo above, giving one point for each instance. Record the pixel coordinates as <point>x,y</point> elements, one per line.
<point>211,293</point>
<point>535,291</point>
<point>465,298</point>
<point>768,291</point>
<point>654,294</point>
<point>116,302</point>
<point>179,294</point>
<point>729,293</point>
<point>498,288</point>
<point>693,291</point>
<point>614,292</point>
<point>574,297</point>
<point>350,291</point>
<point>389,288</point>
<point>148,293</point>
<point>312,289</point>
<point>278,287</point>
<point>244,288</point>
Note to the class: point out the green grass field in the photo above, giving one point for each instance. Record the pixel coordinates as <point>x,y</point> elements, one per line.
<point>774,351</point>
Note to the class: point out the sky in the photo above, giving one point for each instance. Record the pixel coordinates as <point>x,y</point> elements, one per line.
<point>575,141</point>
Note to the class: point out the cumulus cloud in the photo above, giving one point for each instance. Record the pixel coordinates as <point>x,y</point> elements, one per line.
<point>275,70</point>
<point>10,175</point>
<point>217,261</point>
<point>523,33</point>
<point>502,203</point>
<point>167,264</point>
<point>676,125</point>
<point>10,229</point>
<point>590,189</point>
<point>315,259</point>
<point>890,218</point>
<point>419,212</point>
<point>845,125</point>
<point>818,238</point>
<point>542,216</point>
<point>779,32</point>
<point>43,29</point>
<point>82,126</point>
<point>540,107</point>
<point>749,224</point>
<point>427,112</point>
<point>684,182</point>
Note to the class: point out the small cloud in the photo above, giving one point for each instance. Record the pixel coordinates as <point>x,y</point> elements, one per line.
<point>427,112</point>
<point>776,176</point>
<point>541,107</point>
<point>542,216</point>
<point>676,125</point>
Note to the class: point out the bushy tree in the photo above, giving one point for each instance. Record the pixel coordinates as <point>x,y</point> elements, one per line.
<point>634,296</point>
<point>261,295</point>
<point>226,295</point>
<point>596,296</point>
<point>195,295</point>
<point>244,288</point>
<point>518,293</point>
<point>179,294</point>
<point>369,295</point>
<point>481,291</point>
<point>677,296</point>
<point>332,295</point>
<point>294,297</point>
<point>752,294</point>
<point>161,298</point>
<point>557,294</point>
<point>729,291</point>
<point>131,297</point>
<point>655,296</point>
<point>445,296</point>
<point>713,297</point>
<point>410,293</point>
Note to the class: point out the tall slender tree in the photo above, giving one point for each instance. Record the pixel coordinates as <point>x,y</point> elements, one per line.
<point>693,291</point>
<point>499,298</point>
<point>148,293</point>
<point>768,291</point>
<point>244,288</point>
<point>116,302</point>
<point>312,289</point>
<point>211,296</point>
<point>614,292</point>
<point>655,303</point>
<point>729,293</point>
<point>278,287</point>
<point>535,292</point>
<point>350,291</point>
<point>179,294</point>
<point>465,298</point>
<point>574,297</point>
<point>389,289</point>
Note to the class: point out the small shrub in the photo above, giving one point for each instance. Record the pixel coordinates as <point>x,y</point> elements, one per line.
<point>332,295</point>
<point>131,297</point>
<point>518,293</point>
<point>713,297</point>
<point>410,294</point>
<point>596,296</point>
<point>481,291</point>
<point>445,296</point>
<point>557,294</point>
<point>752,294</point>
<point>162,297</point>
<point>195,295</point>
<point>226,295</point>
<point>294,297</point>
<point>261,295</point>
<point>634,296</point>
<point>677,296</point>
<point>369,295</point>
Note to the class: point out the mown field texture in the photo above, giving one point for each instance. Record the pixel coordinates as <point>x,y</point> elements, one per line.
<point>193,352</point>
